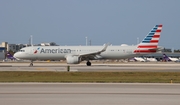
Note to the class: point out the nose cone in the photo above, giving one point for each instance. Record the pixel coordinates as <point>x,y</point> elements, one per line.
<point>16,55</point>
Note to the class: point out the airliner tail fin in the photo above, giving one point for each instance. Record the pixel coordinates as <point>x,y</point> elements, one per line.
<point>150,43</point>
<point>166,58</point>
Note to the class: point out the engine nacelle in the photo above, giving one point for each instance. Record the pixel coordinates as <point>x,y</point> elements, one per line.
<point>73,59</point>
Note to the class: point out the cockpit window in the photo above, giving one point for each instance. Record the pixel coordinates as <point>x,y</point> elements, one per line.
<point>21,51</point>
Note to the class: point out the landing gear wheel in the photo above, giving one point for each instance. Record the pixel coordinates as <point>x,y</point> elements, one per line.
<point>31,64</point>
<point>88,63</point>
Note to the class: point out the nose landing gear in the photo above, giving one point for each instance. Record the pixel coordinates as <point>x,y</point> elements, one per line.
<point>31,64</point>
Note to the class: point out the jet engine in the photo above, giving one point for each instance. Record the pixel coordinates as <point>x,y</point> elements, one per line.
<point>73,59</point>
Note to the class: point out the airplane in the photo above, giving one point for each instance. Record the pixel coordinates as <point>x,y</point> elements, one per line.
<point>76,54</point>
<point>132,60</point>
<point>151,59</point>
<point>140,59</point>
<point>166,58</point>
<point>9,56</point>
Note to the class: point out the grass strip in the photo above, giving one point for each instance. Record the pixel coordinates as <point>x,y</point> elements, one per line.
<point>90,77</point>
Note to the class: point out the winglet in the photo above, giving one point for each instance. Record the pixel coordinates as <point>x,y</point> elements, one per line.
<point>105,47</point>
<point>96,53</point>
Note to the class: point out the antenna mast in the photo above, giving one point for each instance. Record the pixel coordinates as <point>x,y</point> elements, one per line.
<point>31,40</point>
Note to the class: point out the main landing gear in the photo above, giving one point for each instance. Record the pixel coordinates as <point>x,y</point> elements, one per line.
<point>88,63</point>
<point>31,64</point>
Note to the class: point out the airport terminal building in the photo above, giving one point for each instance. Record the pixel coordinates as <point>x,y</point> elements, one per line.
<point>2,53</point>
<point>17,47</point>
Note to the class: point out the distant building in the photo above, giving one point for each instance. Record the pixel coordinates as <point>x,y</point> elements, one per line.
<point>17,47</point>
<point>3,49</point>
<point>2,53</point>
<point>13,47</point>
<point>4,44</point>
<point>49,44</point>
<point>166,50</point>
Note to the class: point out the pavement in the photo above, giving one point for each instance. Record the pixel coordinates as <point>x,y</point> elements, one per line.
<point>96,67</point>
<point>89,94</point>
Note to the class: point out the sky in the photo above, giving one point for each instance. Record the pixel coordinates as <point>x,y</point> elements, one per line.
<point>69,22</point>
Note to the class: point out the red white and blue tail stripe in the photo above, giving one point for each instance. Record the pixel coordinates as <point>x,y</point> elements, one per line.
<point>150,42</point>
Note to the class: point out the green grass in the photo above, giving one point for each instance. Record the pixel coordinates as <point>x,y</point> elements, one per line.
<point>104,77</point>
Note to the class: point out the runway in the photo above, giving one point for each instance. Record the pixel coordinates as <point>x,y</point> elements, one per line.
<point>89,94</point>
<point>102,67</point>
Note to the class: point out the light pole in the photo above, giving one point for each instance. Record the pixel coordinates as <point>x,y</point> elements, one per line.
<point>86,41</point>
<point>137,40</point>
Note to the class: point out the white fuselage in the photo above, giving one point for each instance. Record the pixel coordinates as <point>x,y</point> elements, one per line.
<point>140,59</point>
<point>173,59</point>
<point>60,52</point>
<point>151,59</point>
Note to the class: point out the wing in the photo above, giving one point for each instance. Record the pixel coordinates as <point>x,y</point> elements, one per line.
<point>93,55</point>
